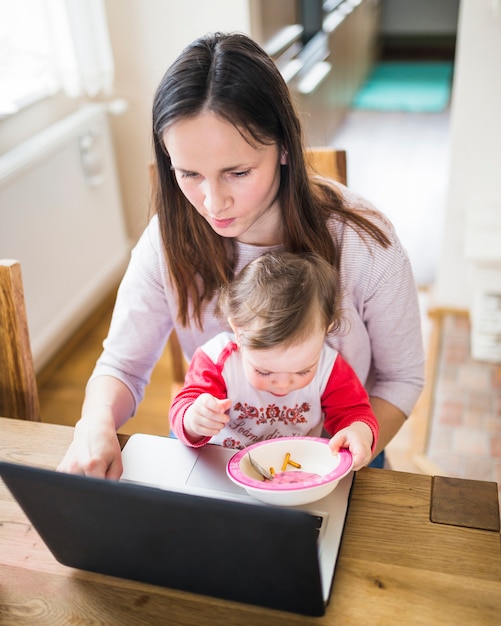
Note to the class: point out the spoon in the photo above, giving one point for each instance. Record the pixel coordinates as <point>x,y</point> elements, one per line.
<point>259,468</point>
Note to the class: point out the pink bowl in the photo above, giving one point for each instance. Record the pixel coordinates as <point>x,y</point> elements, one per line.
<point>319,474</point>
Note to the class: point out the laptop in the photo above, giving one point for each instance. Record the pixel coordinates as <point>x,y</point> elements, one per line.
<point>175,519</point>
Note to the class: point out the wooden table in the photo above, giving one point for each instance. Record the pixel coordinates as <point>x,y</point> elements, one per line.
<point>395,565</point>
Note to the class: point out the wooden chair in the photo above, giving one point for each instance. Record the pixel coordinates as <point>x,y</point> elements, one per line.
<point>324,161</point>
<point>18,385</point>
<point>328,162</point>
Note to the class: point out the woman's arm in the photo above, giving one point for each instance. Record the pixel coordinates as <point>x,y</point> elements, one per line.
<point>345,401</point>
<point>139,328</point>
<point>95,450</point>
<point>390,421</point>
<point>383,342</point>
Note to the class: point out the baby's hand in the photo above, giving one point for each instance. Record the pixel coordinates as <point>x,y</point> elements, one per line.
<point>206,416</point>
<point>358,439</point>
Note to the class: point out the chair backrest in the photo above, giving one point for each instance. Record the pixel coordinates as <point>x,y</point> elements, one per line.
<point>324,161</point>
<point>18,385</point>
<point>328,162</point>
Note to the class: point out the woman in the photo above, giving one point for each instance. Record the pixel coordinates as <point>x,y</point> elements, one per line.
<point>232,184</point>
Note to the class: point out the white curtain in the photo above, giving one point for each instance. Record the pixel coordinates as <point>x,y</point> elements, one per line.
<point>52,45</point>
<point>82,47</point>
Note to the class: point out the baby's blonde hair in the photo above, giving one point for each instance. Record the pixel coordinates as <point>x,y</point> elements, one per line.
<point>281,298</point>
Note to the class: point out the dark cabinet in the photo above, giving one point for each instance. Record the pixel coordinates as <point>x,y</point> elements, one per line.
<point>324,69</point>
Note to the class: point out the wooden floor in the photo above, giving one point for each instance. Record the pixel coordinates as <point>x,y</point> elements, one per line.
<point>400,162</point>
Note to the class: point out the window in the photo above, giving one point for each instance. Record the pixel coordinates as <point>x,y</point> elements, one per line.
<point>52,45</point>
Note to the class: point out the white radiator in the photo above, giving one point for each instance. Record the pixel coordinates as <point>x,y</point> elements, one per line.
<point>61,217</point>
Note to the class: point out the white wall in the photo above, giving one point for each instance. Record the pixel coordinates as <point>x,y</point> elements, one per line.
<point>27,122</point>
<point>475,166</point>
<point>61,217</point>
<point>146,37</point>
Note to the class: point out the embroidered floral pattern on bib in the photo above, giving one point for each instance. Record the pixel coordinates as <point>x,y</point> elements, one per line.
<point>252,424</point>
<point>273,413</point>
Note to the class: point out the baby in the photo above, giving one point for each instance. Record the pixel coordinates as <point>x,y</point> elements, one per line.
<point>275,375</point>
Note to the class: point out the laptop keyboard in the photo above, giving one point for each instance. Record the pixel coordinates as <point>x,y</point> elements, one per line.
<point>319,520</point>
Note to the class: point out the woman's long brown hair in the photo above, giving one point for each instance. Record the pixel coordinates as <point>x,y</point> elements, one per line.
<point>230,75</point>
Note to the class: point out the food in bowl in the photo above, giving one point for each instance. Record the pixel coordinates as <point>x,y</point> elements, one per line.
<point>318,473</point>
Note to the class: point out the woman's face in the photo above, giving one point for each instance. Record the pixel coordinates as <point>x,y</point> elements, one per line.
<point>232,184</point>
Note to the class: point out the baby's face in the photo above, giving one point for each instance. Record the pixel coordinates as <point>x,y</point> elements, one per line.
<point>283,370</point>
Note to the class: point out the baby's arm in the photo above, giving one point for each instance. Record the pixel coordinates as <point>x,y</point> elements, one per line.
<point>358,438</point>
<point>205,417</point>
<point>198,402</point>
<point>349,415</point>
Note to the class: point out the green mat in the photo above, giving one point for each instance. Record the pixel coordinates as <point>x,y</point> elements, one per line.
<point>411,87</point>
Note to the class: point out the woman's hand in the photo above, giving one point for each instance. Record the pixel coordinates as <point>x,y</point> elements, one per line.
<point>95,450</point>
<point>358,439</point>
<point>206,417</point>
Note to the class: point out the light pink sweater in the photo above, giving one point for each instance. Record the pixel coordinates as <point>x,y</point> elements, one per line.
<point>381,340</point>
